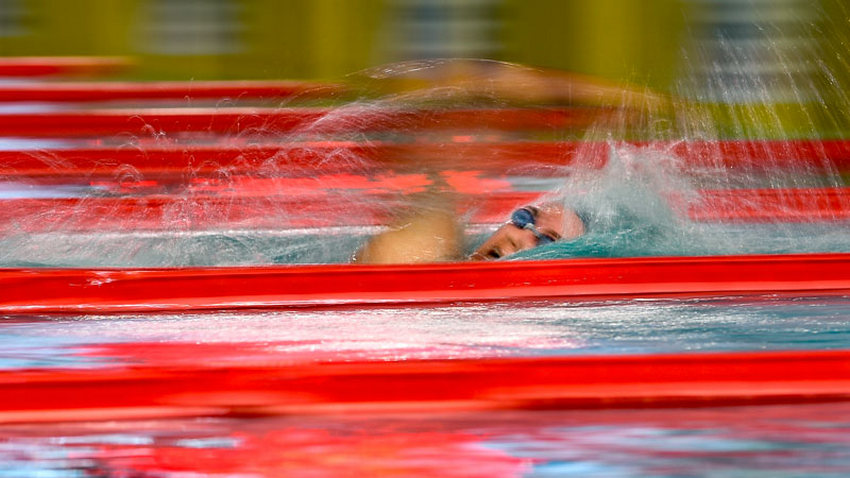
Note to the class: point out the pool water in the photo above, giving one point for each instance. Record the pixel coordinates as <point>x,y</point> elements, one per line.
<point>493,329</point>
<point>337,245</point>
<point>775,440</point>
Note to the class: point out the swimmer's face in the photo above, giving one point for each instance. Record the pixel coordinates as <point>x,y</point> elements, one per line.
<point>551,221</point>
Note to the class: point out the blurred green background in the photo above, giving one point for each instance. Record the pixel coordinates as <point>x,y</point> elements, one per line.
<point>726,52</point>
<point>325,39</point>
<point>640,40</point>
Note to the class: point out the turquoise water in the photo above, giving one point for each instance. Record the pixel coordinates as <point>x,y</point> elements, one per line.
<point>451,331</point>
<point>209,248</point>
<point>635,238</point>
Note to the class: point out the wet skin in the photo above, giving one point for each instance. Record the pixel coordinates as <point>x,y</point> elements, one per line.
<point>434,236</point>
<point>552,220</point>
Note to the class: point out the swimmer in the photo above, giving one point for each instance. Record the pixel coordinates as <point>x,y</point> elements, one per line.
<point>530,227</point>
<point>433,235</point>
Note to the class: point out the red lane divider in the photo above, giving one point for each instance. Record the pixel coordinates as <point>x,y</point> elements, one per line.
<point>283,203</point>
<point>151,122</point>
<point>25,291</point>
<point>192,160</point>
<point>761,154</point>
<point>766,205</point>
<point>425,385</point>
<point>32,66</point>
<point>108,91</point>
<point>733,156</point>
<point>174,212</point>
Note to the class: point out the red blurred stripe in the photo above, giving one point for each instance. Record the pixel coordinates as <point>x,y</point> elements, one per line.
<point>731,156</point>
<point>269,388</point>
<point>109,91</point>
<point>767,205</point>
<point>282,203</point>
<point>33,66</point>
<point>317,208</point>
<point>150,122</point>
<point>214,288</point>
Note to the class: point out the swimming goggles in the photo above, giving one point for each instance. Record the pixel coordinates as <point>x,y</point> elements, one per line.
<point>524,218</point>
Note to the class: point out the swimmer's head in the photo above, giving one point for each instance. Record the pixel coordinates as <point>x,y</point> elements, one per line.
<point>530,227</point>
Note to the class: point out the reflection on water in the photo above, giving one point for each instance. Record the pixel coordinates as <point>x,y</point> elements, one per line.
<point>776,441</point>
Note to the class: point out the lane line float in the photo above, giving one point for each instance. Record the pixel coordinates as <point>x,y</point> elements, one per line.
<point>118,290</point>
<point>495,156</point>
<point>280,203</point>
<point>147,122</point>
<point>70,92</point>
<point>420,386</point>
<point>35,66</point>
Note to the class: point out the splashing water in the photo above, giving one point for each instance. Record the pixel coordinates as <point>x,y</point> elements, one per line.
<point>640,204</point>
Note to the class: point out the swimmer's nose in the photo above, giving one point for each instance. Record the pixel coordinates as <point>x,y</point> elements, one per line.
<point>525,241</point>
<point>509,240</point>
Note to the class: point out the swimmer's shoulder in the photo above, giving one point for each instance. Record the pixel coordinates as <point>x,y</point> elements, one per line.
<point>425,236</point>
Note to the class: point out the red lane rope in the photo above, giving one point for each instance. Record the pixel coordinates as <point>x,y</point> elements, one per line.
<point>283,203</point>
<point>150,122</point>
<point>33,66</point>
<point>298,209</point>
<point>766,205</point>
<point>205,389</point>
<point>347,155</point>
<point>184,289</point>
<point>109,91</point>
<point>194,160</point>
